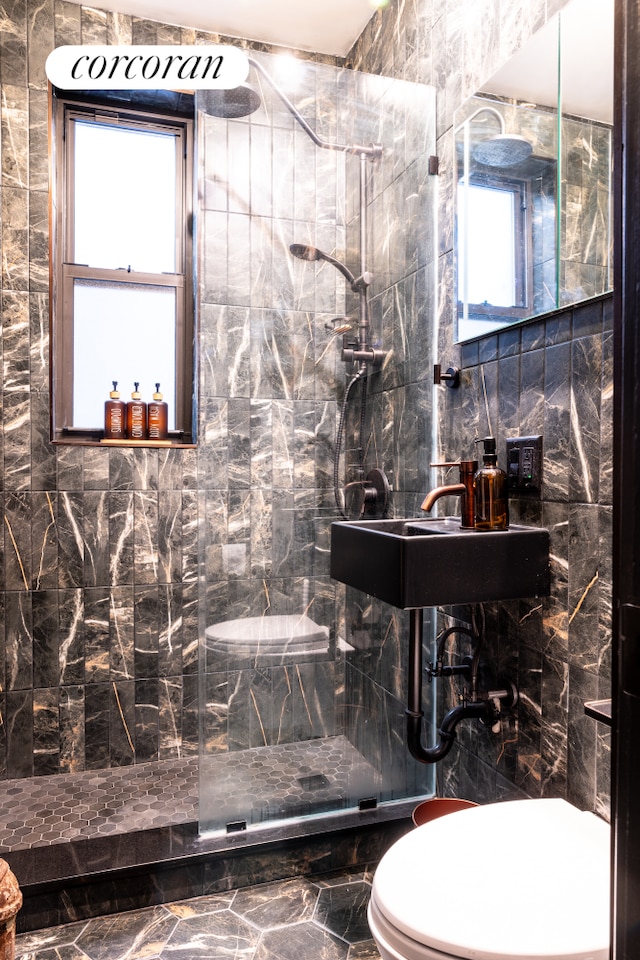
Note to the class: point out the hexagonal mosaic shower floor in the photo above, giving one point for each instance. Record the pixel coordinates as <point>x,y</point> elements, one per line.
<point>262,783</point>
<point>288,780</point>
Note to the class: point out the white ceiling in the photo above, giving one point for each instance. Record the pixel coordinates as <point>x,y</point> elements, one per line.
<point>586,63</point>
<point>328,27</point>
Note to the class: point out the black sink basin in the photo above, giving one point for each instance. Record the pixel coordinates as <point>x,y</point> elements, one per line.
<point>433,562</point>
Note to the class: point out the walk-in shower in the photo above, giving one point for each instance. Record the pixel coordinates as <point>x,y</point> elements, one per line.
<point>361,494</point>
<point>301,701</point>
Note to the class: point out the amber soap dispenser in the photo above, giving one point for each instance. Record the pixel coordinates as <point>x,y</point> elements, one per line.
<point>115,415</point>
<point>490,491</point>
<point>157,417</point>
<point>136,416</point>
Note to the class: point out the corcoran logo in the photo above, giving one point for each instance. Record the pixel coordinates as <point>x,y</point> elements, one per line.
<point>146,67</point>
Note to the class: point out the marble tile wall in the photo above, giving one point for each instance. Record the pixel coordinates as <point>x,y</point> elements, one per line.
<point>99,548</point>
<point>553,377</point>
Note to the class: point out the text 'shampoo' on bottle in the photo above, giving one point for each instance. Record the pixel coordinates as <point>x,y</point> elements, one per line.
<point>115,416</point>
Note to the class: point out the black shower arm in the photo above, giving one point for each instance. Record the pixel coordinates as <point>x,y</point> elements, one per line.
<point>373,152</point>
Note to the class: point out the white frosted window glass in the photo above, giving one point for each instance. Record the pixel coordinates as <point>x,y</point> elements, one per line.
<point>125,198</point>
<point>123,332</point>
<point>487,219</point>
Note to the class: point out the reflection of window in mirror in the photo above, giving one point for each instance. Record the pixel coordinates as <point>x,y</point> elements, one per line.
<point>556,91</point>
<point>494,244</point>
<point>123,308</point>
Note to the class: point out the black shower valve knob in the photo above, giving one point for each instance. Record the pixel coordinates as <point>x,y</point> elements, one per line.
<point>451,377</point>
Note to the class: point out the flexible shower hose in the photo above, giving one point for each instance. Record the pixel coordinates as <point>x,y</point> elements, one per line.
<point>343,414</point>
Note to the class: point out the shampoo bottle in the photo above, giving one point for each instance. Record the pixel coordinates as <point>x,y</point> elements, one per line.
<point>115,415</point>
<point>490,491</point>
<point>136,416</point>
<point>157,417</point>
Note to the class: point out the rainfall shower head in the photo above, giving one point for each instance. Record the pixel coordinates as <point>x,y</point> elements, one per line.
<point>503,150</point>
<point>304,252</point>
<point>230,104</point>
<point>244,100</point>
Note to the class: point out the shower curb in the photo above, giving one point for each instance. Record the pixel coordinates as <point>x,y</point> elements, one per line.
<point>89,877</point>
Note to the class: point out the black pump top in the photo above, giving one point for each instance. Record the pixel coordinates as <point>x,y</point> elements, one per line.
<point>489,455</point>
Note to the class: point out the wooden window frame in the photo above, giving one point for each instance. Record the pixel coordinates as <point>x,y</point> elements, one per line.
<point>64,111</point>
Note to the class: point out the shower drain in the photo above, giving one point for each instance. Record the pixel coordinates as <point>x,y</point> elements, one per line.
<point>314,782</point>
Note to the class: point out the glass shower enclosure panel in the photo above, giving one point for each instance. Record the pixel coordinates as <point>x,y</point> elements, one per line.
<point>301,702</point>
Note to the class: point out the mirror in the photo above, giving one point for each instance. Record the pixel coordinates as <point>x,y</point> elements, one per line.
<point>534,190</point>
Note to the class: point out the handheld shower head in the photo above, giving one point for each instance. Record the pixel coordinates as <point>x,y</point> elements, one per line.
<point>304,252</point>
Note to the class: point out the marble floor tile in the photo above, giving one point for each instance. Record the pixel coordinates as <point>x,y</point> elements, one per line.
<point>319,919</point>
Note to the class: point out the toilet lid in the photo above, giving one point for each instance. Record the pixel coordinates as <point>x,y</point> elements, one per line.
<point>518,880</point>
<point>284,631</point>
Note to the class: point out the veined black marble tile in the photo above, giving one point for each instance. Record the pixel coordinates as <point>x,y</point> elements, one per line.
<point>46,649</point>
<point>19,733</point>
<point>170,536</point>
<point>72,728</point>
<point>584,451</point>
<point>121,543</point>
<point>18,640</point>
<point>145,537</point>
<point>46,733</point>
<point>146,719</point>
<point>95,534</point>
<point>146,631</point>
<point>97,725</point>
<point>94,26</point>
<point>66,22</point>
<point>274,921</point>
<point>122,723</point>
<point>71,650</point>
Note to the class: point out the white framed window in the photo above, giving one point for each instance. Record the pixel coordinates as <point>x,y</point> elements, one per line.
<point>494,268</point>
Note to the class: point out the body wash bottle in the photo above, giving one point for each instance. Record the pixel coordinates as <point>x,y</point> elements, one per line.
<point>490,491</point>
<point>157,417</point>
<point>136,416</point>
<point>115,415</point>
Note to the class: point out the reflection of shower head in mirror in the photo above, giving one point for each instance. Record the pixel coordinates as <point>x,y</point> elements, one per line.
<point>503,150</point>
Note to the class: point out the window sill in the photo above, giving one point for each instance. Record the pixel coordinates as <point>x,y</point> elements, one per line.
<point>88,441</point>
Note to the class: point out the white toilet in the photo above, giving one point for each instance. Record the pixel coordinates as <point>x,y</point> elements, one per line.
<point>518,880</point>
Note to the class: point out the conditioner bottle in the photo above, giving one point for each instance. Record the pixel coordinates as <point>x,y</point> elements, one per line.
<point>136,416</point>
<point>115,415</point>
<point>157,417</point>
<point>490,491</point>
